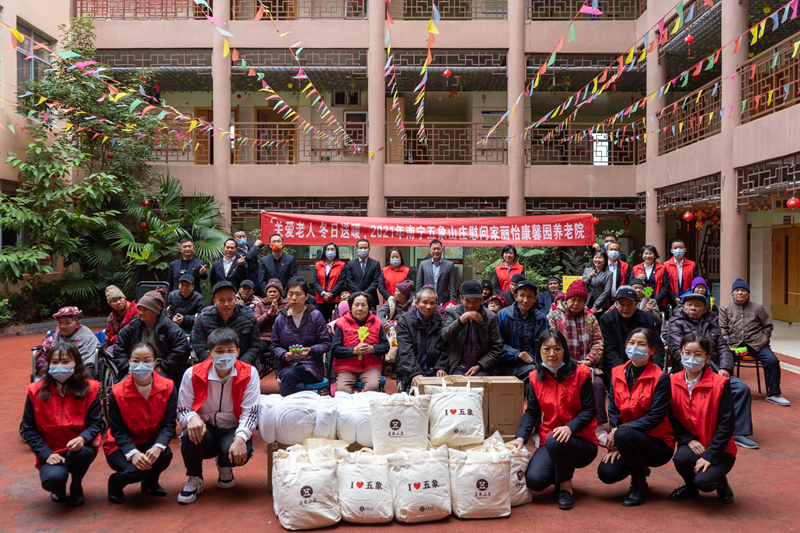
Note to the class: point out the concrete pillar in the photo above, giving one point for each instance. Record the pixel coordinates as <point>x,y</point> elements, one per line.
<point>655,227</point>
<point>221,76</point>
<point>376,113</point>
<point>760,267</point>
<point>515,62</point>
<point>733,226</point>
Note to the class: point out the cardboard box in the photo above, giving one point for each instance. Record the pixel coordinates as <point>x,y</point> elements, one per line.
<point>275,446</point>
<point>506,404</point>
<point>460,381</point>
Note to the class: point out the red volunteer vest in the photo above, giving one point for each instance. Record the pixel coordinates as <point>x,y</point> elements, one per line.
<point>200,384</point>
<point>561,402</point>
<point>59,420</point>
<point>687,273</point>
<point>392,277</point>
<point>635,404</point>
<point>504,276</point>
<point>142,417</point>
<point>349,329</point>
<point>336,271</point>
<point>658,275</point>
<point>700,413</point>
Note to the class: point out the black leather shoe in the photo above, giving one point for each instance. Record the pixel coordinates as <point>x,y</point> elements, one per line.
<point>58,498</point>
<point>638,493</point>
<point>115,494</point>
<point>684,493</point>
<point>76,495</point>
<point>725,493</point>
<point>153,489</point>
<point>565,500</point>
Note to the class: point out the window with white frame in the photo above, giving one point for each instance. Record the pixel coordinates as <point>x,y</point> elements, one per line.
<point>600,149</point>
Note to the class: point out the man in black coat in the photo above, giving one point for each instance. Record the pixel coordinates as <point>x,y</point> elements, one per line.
<point>231,267</point>
<point>420,345</point>
<point>250,253</point>
<point>618,322</point>
<point>153,326</point>
<point>189,264</point>
<point>363,274</point>
<point>184,304</point>
<point>226,313</point>
<point>276,265</point>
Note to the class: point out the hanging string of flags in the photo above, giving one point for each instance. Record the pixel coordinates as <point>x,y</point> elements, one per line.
<point>419,101</point>
<point>400,128</point>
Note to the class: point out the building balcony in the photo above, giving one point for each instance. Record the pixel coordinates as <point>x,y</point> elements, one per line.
<point>140,9</point>
<point>591,149</point>
<point>449,143</point>
<point>566,9</point>
<point>687,119</point>
<point>769,80</point>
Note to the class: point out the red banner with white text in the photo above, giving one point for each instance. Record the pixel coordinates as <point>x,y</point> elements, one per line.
<point>547,230</point>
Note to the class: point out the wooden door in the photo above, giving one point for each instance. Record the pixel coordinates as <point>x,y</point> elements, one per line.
<point>786,273</point>
<point>272,127</point>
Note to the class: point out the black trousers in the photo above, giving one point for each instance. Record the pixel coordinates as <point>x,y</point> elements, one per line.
<point>772,368</point>
<point>127,474</point>
<point>54,477</point>
<point>216,443</point>
<point>326,309</point>
<point>555,462</point>
<point>707,481</point>
<point>637,451</point>
<point>295,379</point>
<point>741,407</point>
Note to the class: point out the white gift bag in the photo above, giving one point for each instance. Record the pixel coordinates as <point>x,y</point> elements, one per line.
<point>296,417</point>
<point>266,416</point>
<point>400,423</point>
<point>519,459</point>
<point>305,488</point>
<point>364,493</point>
<point>354,417</point>
<point>479,482</point>
<point>456,415</point>
<point>420,484</point>
<point>325,422</point>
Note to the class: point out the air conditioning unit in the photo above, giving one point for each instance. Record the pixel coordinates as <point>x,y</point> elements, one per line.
<point>349,98</point>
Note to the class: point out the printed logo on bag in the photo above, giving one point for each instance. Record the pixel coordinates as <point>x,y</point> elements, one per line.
<point>483,489</point>
<point>368,485</point>
<point>432,484</point>
<point>459,412</point>
<point>520,475</point>
<point>394,428</point>
<point>307,493</point>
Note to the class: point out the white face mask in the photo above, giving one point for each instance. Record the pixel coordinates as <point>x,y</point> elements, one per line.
<point>553,368</point>
<point>224,361</point>
<point>692,363</point>
<point>141,371</point>
<point>613,254</point>
<point>636,354</point>
<point>61,373</point>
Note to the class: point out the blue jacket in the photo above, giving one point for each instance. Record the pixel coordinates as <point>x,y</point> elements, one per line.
<point>519,336</point>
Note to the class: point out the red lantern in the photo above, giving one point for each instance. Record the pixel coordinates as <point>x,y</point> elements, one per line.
<point>793,203</point>
<point>109,156</point>
<point>688,216</point>
<point>447,73</point>
<point>145,203</point>
<point>144,225</point>
<point>689,40</point>
<point>595,220</point>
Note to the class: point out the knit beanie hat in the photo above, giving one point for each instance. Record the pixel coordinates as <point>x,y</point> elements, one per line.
<point>405,287</point>
<point>699,281</point>
<point>274,282</point>
<point>577,289</point>
<point>112,291</point>
<point>740,284</point>
<point>153,300</point>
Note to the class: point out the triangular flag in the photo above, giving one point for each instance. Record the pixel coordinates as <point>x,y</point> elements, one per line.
<point>432,28</point>
<point>571,33</point>
<point>559,46</point>
<point>226,48</point>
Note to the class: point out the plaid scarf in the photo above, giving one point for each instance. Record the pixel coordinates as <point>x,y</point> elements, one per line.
<point>579,340</point>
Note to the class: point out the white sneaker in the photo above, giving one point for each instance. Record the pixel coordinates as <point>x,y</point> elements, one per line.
<point>193,487</point>
<point>778,400</point>
<point>225,480</point>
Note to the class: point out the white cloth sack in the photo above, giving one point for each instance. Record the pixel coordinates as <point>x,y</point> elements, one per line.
<point>305,488</point>
<point>325,423</point>
<point>302,416</point>
<point>266,416</point>
<point>364,493</point>
<point>479,482</point>
<point>456,415</point>
<point>354,417</point>
<point>519,459</point>
<point>400,423</point>
<point>420,484</point>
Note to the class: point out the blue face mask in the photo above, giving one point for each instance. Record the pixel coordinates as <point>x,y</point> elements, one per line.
<point>678,252</point>
<point>605,245</point>
<point>692,363</point>
<point>394,261</point>
<point>224,361</point>
<point>553,368</point>
<point>363,253</point>
<point>636,354</point>
<point>613,254</point>
<point>61,373</point>
<point>330,254</point>
<point>241,242</point>
<point>141,371</point>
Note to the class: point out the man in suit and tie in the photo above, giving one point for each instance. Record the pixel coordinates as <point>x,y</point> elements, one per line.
<point>232,267</point>
<point>250,253</point>
<point>188,264</point>
<point>438,272</point>
<point>276,265</point>
<point>364,274</point>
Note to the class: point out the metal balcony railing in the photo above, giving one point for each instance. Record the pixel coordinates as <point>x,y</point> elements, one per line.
<point>772,73</point>
<point>140,9</point>
<point>284,143</point>
<point>566,9</point>
<point>692,111</point>
<point>450,143</point>
<point>590,149</point>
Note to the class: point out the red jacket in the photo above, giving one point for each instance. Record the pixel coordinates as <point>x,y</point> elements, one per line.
<point>333,277</point>
<point>143,418</point>
<point>392,277</point>
<point>349,328</point>
<point>503,276</point>
<point>700,413</point>
<point>560,402</point>
<point>658,276</point>
<point>200,384</point>
<point>636,403</point>
<point>688,273</point>
<point>61,421</point>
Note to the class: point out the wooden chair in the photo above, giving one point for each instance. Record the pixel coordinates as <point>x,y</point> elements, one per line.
<point>748,361</point>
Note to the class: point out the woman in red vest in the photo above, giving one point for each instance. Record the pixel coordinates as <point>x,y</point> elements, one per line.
<point>702,417</point>
<point>62,418</point>
<point>506,269</point>
<point>141,415</point>
<point>395,272</point>
<point>329,271</point>
<point>359,344</point>
<point>654,275</point>
<point>561,407</point>
<point>638,402</point>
